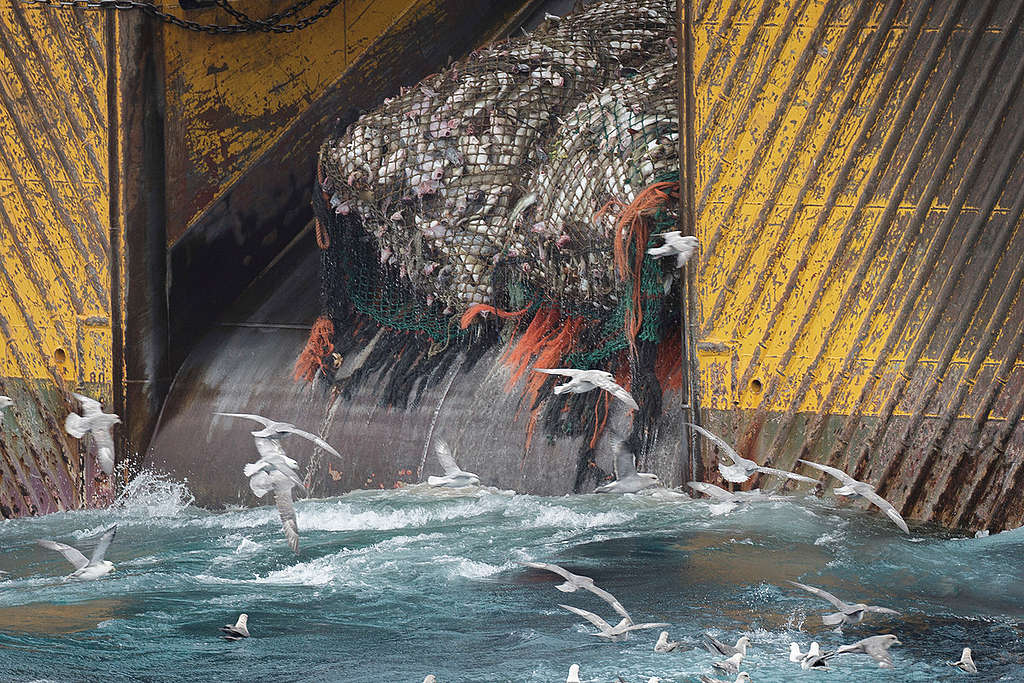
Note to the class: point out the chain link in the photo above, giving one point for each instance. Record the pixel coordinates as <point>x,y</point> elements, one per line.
<point>246,24</point>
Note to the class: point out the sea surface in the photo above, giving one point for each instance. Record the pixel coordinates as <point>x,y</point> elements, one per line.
<point>391,586</point>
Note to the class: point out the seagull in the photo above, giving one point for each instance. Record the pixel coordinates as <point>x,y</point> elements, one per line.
<point>607,630</point>
<point>683,248</point>
<point>664,644</point>
<point>730,665</point>
<point>265,476</point>
<point>574,674</point>
<point>966,662</point>
<point>743,677</point>
<point>99,423</point>
<point>814,659</point>
<point>742,468</point>
<point>848,613</point>
<point>717,647</point>
<point>795,655</point>
<point>5,403</point>
<point>238,630</point>
<point>453,476</point>
<point>85,569</point>
<point>859,488</point>
<point>727,501</point>
<point>430,678</point>
<point>278,430</point>
<point>585,380</point>
<point>627,479</point>
<point>574,582</point>
<point>875,646</point>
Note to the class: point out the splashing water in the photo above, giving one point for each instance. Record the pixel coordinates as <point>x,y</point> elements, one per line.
<point>393,585</point>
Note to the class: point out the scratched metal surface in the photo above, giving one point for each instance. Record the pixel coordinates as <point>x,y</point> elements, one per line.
<point>54,250</point>
<point>859,203</point>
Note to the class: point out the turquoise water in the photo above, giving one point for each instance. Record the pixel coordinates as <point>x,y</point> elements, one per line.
<point>393,585</point>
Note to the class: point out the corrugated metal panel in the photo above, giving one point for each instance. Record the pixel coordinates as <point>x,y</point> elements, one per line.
<point>54,251</point>
<point>859,201</point>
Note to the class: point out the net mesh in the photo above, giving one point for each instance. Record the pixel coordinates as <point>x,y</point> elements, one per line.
<point>511,197</point>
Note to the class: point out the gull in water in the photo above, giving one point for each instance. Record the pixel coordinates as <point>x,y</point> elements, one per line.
<point>730,665</point>
<point>852,487</point>
<point>607,630</point>
<point>574,674</point>
<point>875,646</point>
<point>664,644</point>
<point>627,479</point>
<point>237,630</point>
<point>717,647</point>
<point>275,471</point>
<point>586,380</point>
<point>85,569</point>
<point>99,423</point>
<point>742,468</point>
<point>574,582</point>
<point>454,477</point>
<point>430,678</point>
<point>814,659</point>
<point>5,403</point>
<point>683,248</point>
<point>743,677</point>
<point>278,430</point>
<point>848,613</point>
<point>965,663</point>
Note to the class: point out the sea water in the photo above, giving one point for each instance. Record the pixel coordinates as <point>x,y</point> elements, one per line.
<point>394,585</point>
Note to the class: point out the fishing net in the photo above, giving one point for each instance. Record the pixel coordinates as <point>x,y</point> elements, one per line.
<point>520,188</point>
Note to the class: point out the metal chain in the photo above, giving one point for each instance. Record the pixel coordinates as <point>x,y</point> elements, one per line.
<point>270,24</point>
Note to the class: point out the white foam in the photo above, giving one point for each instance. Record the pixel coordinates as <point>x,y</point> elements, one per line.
<point>154,495</point>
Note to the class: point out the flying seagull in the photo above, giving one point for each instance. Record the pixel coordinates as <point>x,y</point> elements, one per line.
<point>586,380</point>
<point>730,665</point>
<point>574,582</point>
<point>85,569</point>
<point>453,475</point>
<point>278,430</point>
<point>727,501</point>
<point>5,403</point>
<point>875,646</point>
<point>606,629</point>
<point>848,613</point>
<point>627,479</point>
<point>965,663</point>
<point>664,644</point>
<point>238,630</point>
<point>683,248</point>
<point>717,647</point>
<point>99,423</point>
<point>743,677</point>
<point>742,468</point>
<point>274,471</point>
<point>852,487</point>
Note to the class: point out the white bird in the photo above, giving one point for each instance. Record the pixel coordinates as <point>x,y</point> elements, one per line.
<point>606,630</point>
<point>238,630</point>
<point>966,662</point>
<point>627,479</point>
<point>5,403</point>
<point>587,380</point>
<point>454,476</point>
<point>664,644</point>
<point>795,655</point>
<point>683,248</point>
<point>264,477</point>
<point>574,582</point>
<point>848,613</point>
<point>430,678</point>
<point>85,569</point>
<point>743,677</point>
<point>852,487</point>
<point>727,501</point>
<point>730,665</point>
<point>815,659</point>
<point>717,647</point>
<point>742,468</point>
<point>278,430</point>
<point>574,674</point>
<point>875,646</point>
<point>99,423</point>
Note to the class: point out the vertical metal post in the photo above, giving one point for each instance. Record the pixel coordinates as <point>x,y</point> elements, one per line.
<point>687,226</point>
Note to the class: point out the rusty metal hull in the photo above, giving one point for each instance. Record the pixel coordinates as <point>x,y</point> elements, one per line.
<point>859,196</point>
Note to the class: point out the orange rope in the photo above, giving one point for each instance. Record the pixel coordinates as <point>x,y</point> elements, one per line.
<point>599,424</point>
<point>476,309</point>
<point>317,348</point>
<point>323,240</point>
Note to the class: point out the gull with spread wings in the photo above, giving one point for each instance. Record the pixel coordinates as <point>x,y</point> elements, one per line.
<point>574,582</point>
<point>85,568</point>
<point>275,471</point>
<point>94,420</point>
<point>742,468</point>
<point>852,487</point>
<point>454,476</point>
<point>606,630</point>
<point>848,613</point>
<point>627,479</point>
<point>877,647</point>
<point>587,380</point>
<point>277,430</point>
